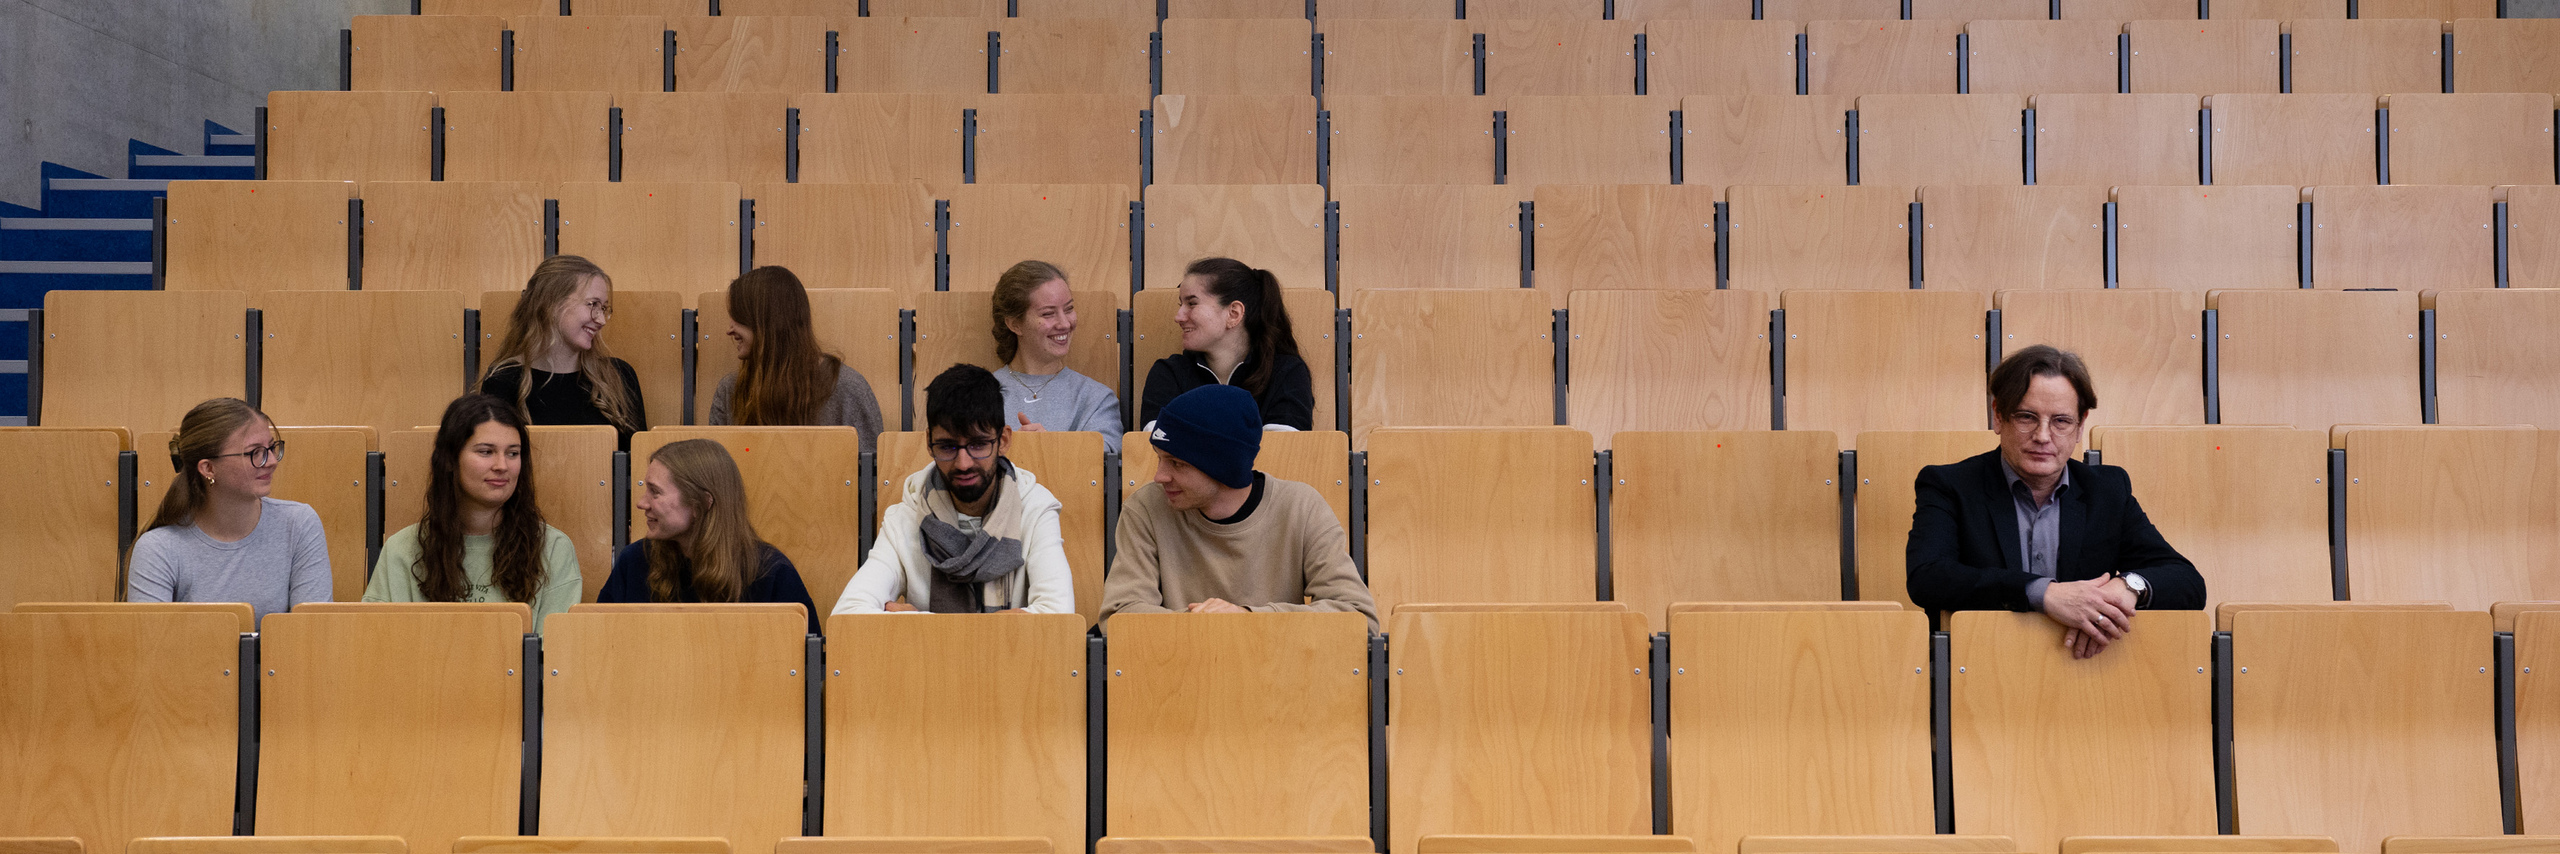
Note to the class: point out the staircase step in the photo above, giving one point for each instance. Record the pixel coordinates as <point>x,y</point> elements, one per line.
<point>77,268</point>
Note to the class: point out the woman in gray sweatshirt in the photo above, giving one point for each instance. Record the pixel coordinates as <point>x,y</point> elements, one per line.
<point>1035,323</point>
<point>218,537</point>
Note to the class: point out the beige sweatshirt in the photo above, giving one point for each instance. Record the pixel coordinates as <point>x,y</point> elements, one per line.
<point>1290,555</point>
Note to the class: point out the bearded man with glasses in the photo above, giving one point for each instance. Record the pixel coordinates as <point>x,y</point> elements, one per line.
<point>2028,528</point>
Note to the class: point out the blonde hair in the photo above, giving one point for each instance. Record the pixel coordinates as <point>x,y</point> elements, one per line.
<point>1013,299</point>
<point>534,327</point>
<point>727,554</point>
<point>200,437</point>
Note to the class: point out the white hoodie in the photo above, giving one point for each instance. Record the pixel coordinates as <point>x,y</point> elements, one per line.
<point>899,566</point>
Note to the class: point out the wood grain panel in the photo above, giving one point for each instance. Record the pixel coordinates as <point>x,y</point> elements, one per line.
<point>268,845</point>
<point>1832,10</point>
<point>1994,238</point>
<point>2200,844</point>
<point>423,53</point>
<point>1868,54</point>
<point>2537,635</point>
<point>349,136</point>
<point>119,723</point>
<point>1558,56</point>
<point>836,236</point>
<point>649,335</point>
<point>1453,358</point>
<point>2367,56</point>
<point>1879,844</point>
<point>2502,138</point>
<point>2117,139</point>
<point>1719,57</point>
<point>1590,139</point>
<point>703,136</point>
<point>1766,139</point>
<point>385,721</point>
<point>2200,238</point>
<point>1068,463</point>
<point>2144,349</point>
<point>1725,516</point>
<point>1432,235</point>
<point>658,236</point>
<point>2494,356</point>
<point>589,53</point>
<point>1941,139</point>
<point>1488,843</point>
<point>914,845</point>
<point>1239,56</point>
<point>2300,140</point>
<point>1519,722</point>
<point>467,236</point>
<point>1799,721</point>
<point>1275,227</point>
<point>2017,693</point>
<point>2505,55</point>
<point>2314,359</point>
<point>1383,54</point>
<point>1979,10</point>
<point>1669,360</point>
<point>1534,521</point>
<point>802,495</point>
<point>2286,10</point>
<point>2129,10</point>
<point>2399,236</point>
<point>1081,228</point>
<point>2533,236</point>
<point>590,845</point>
<point>2442,513</point>
<point>1655,11</point>
<point>1888,464</point>
<point>257,236</point>
<point>2437,10</point>
<point>1239,724</point>
<point>66,530</point>
<point>1310,316</point>
<point>1819,238</point>
<point>1412,140</point>
<point>1235,139</point>
<point>1051,54</point>
<point>858,326</point>
<point>1625,237</point>
<point>508,8</point>
<point>2332,698</point>
<point>2248,505</point>
<point>1840,378</point>
<point>526,136</point>
<point>2204,57</point>
<point>384,360</point>
<point>2041,57</point>
<point>887,53</point>
<point>140,359</point>
<point>1320,458</point>
<point>1062,139</point>
<point>1006,686</point>
<point>738,53</point>
<point>664,722</point>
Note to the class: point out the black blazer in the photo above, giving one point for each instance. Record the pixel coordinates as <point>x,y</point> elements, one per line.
<point>1963,554</point>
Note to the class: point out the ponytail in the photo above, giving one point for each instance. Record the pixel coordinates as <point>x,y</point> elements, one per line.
<point>1266,314</point>
<point>200,437</point>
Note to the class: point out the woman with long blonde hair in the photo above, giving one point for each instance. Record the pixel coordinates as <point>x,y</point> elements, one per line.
<point>783,379</point>
<point>553,365</point>
<point>700,546</point>
<point>218,536</point>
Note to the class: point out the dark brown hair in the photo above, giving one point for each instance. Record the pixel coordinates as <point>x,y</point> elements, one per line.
<point>1013,299</point>
<point>515,565</point>
<point>1266,316</point>
<point>2009,381</point>
<point>784,378</point>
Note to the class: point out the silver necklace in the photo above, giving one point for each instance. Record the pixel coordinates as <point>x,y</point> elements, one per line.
<point>1026,387</point>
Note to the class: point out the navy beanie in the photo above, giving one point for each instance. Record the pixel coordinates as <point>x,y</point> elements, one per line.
<point>1215,428</point>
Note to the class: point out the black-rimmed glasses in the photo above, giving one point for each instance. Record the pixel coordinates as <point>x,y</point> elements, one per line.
<point>948,451</point>
<point>262,455</point>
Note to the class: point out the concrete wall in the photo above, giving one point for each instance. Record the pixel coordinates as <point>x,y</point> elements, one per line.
<point>79,77</point>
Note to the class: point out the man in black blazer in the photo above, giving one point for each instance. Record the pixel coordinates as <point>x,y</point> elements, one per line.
<point>2027,528</point>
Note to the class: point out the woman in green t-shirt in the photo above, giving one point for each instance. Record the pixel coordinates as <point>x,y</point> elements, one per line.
<point>483,538</point>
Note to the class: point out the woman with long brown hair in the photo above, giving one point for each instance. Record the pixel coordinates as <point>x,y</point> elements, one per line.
<point>1035,324</point>
<point>1235,331</point>
<point>556,338</point>
<point>218,536</point>
<point>482,538</point>
<point>783,379</point>
<point>700,546</point>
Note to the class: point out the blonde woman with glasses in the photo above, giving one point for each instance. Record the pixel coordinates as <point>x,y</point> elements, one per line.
<point>218,536</point>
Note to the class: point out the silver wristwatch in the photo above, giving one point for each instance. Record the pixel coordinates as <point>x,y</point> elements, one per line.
<point>2140,586</point>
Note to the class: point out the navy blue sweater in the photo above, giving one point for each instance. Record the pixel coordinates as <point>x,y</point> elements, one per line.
<point>778,582</point>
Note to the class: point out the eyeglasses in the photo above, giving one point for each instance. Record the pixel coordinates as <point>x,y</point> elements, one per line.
<point>2026,423</point>
<point>262,455</point>
<point>978,450</point>
<point>601,308</point>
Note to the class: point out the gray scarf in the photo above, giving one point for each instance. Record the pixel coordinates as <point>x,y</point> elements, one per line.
<point>964,564</point>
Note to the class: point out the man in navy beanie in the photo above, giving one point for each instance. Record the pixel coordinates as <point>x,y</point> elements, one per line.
<point>1211,536</point>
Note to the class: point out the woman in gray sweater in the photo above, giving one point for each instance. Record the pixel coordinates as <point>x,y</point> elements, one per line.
<point>217,536</point>
<point>783,379</point>
<point>1035,322</point>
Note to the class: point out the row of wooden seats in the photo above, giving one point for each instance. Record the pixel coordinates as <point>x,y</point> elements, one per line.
<point>1406,57</point>
<point>2469,515</point>
<point>1633,360</point>
<point>1488,10</point>
<point>1497,720</point>
<point>1438,843</point>
<point>2097,139</point>
<point>473,237</point>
